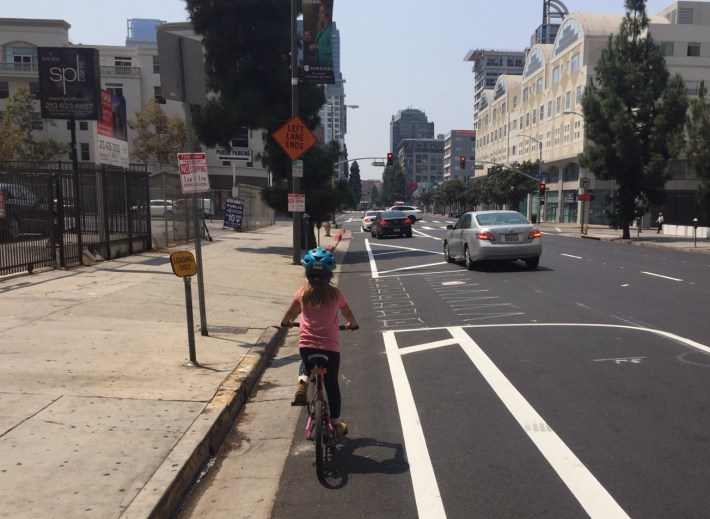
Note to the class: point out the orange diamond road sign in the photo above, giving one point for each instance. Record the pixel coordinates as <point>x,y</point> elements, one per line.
<point>294,137</point>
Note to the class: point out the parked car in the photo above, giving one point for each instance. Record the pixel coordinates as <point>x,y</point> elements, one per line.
<point>25,212</point>
<point>161,208</point>
<point>391,223</point>
<point>493,236</point>
<point>367,219</point>
<point>412,212</point>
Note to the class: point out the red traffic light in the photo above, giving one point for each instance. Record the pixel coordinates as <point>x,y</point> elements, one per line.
<point>462,162</point>
<point>542,189</point>
<point>390,158</point>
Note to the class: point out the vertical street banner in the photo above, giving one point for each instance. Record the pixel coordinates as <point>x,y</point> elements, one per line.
<point>316,56</point>
<point>69,83</point>
<point>233,213</point>
<point>111,131</point>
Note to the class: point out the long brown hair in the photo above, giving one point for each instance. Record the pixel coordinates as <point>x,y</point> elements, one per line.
<point>319,293</point>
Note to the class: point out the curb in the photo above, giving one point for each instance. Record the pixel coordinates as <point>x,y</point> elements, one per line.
<point>164,491</point>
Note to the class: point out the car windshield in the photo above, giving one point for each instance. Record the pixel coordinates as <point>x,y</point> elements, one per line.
<point>371,213</point>
<point>500,219</point>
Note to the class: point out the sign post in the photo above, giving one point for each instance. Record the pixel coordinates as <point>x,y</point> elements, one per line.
<point>184,266</point>
<point>295,139</point>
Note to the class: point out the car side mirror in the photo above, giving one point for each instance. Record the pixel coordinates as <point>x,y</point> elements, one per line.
<point>450,226</point>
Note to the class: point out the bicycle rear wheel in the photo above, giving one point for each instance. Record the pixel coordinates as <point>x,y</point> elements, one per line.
<point>318,439</point>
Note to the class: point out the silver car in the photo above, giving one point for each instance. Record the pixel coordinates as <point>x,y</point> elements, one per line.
<point>493,236</point>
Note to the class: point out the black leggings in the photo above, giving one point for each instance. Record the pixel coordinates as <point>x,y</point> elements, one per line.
<point>330,379</point>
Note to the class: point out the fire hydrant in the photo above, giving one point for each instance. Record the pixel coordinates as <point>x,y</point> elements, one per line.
<point>585,229</point>
<point>327,227</point>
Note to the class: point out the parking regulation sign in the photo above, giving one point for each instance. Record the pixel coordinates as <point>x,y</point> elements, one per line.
<point>193,173</point>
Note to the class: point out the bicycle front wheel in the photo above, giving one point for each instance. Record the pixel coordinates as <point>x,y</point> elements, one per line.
<point>318,439</point>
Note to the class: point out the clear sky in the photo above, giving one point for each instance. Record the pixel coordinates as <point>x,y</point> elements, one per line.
<point>395,54</point>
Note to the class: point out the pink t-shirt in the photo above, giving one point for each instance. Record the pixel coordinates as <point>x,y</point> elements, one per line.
<point>319,326</point>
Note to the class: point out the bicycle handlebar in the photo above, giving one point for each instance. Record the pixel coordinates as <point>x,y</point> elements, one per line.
<point>341,327</point>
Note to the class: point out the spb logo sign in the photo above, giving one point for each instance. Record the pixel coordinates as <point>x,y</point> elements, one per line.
<point>69,83</point>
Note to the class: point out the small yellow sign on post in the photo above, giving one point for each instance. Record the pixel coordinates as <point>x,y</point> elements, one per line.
<point>183,263</point>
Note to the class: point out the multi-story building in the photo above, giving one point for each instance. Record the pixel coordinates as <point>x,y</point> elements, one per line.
<point>538,116</point>
<point>422,161</point>
<point>487,66</point>
<point>457,144</point>
<point>409,124</point>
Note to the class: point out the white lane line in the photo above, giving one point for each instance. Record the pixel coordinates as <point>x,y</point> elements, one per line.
<point>373,265</point>
<point>584,486</point>
<point>401,248</point>
<point>426,489</point>
<point>660,276</point>
<point>401,269</point>
<point>570,256</point>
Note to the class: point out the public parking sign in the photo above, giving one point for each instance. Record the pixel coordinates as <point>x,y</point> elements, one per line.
<point>193,173</point>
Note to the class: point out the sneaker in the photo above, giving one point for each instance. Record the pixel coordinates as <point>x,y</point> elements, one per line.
<point>341,429</point>
<point>300,396</point>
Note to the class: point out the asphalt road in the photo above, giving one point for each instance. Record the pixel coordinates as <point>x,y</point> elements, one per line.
<point>576,390</point>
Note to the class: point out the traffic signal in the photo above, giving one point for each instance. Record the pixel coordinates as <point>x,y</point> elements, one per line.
<point>389,159</point>
<point>542,189</point>
<point>462,162</point>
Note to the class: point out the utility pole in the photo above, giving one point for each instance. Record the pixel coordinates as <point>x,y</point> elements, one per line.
<point>294,111</point>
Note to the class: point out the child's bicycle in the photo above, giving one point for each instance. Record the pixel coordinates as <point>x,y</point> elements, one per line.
<point>319,427</point>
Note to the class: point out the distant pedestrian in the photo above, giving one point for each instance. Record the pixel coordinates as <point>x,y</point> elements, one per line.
<point>659,222</point>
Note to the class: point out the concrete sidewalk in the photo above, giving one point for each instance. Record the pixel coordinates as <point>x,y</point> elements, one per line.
<point>101,413</point>
<point>647,237</point>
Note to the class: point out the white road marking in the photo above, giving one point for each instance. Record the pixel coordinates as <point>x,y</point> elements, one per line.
<point>411,268</point>
<point>373,264</point>
<point>660,276</point>
<point>426,489</point>
<point>570,256</point>
<point>584,486</point>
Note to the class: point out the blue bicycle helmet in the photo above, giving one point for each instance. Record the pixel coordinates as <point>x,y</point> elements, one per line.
<point>319,263</point>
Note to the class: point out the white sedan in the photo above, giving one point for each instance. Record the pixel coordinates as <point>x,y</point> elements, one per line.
<point>367,219</point>
<point>413,213</point>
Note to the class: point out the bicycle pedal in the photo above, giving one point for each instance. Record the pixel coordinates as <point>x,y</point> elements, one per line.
<point>299,404</point>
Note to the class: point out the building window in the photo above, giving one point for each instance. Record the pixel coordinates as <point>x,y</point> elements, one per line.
<point>693,49</point>
<point>525,94</point>
<point>538,85</point>
<point>571,173</point>
<point>84,151</point>
<point>4,89</point>
<point>549,108</point>
<point>122,64</point>
<point>691,87</point>
<point>37,121</point>
<point>559,104</point>
<point>555,75</point>
<point>542,112</point>
<point>553,175</point>
<point>156,65</point>
<point>115,88</point>
<point>568,100</point>
<point>34,89</point>
<point>83,125</point>
<point>578,95</point>
<point>574,63</point>
<point>23,58</point>
<point>667,48</point>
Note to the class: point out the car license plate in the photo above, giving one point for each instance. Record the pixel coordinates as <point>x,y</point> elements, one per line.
<point>395,229</point>
<point>511,237</point>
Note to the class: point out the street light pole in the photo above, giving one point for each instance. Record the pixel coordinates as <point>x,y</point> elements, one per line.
<point>581,185</point>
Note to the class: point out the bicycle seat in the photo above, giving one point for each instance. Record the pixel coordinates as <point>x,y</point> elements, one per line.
<point>313,357</point>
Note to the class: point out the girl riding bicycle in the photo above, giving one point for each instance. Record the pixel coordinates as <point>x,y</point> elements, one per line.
<point>319,302</point>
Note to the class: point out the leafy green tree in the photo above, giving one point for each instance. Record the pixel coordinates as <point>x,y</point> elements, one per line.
<point>355,183</point>
<point>18,114</point>
<point>698,149</point>
<point>393,184</point>
<point>10,138</point>
<point>507,187</point>
<point>634,116</point>
<point>248,61</point>
<point>159,137</point>
<point>375,196</point>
